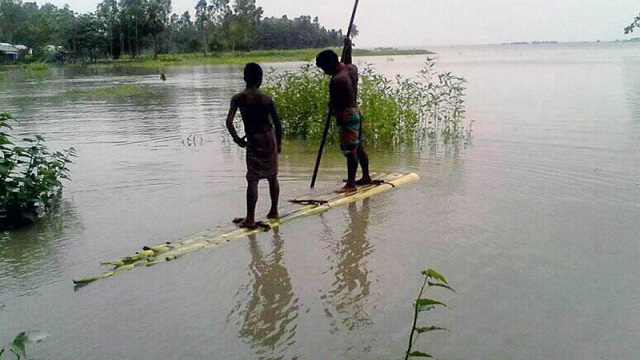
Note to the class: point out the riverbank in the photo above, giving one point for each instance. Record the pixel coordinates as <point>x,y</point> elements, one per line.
<point>261,56</point>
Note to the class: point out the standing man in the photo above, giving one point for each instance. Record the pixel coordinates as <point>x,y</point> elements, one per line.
<point>263,141</point>
<point>343,95</point>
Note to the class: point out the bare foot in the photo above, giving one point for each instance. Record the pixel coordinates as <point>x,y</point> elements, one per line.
<point>273,215</point>
<point>364,181</point>
<point>248,224</point>
<point>346,189</point>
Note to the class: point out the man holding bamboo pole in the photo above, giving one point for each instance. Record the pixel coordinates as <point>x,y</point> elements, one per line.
<point>343,104</point>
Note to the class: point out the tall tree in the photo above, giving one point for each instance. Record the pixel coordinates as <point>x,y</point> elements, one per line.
<point>157,19</point>
<point>11,16</point>
<point>203,20</point>
<point>634,24</point>
<point>107,14</point>
<point>86,40</point>
<point>132,17</point>
<point>245,20</point>
<point>185,37</point>
<point>220,12</point>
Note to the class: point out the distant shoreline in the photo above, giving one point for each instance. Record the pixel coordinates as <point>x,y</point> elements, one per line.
<point>568,42</point>
<point>260,56</point>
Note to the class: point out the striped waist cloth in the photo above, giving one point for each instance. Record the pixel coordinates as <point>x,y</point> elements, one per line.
<point>342,113</point>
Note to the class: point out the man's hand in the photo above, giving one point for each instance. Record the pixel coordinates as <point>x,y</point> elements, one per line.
<point>346,51</point>
<point>347,41</point>
<point>241,141</point>
<point>279,148</point>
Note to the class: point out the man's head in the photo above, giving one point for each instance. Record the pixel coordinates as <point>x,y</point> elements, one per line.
<point>327,60</point>
<point>253,74</point>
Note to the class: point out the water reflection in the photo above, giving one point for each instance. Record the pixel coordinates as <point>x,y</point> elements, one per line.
<point>267,305</point>
<point>344,302</point>
<point>32,257</point>
<point>632,88</point>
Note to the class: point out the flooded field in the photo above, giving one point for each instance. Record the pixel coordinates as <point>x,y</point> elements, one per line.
<point>534,223</point>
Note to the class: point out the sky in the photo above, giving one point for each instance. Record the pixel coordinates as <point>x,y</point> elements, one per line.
<point>407,23</point>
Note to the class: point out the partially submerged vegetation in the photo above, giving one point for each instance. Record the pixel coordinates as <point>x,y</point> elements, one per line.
<point>30,177</point>
<point>432,279</point>
<point>427,109</point>
<point>118,91</point>
<point>17,347</point>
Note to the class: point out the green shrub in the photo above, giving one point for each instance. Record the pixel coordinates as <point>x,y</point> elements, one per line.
<point>30,177</point>
<point>429,108</point>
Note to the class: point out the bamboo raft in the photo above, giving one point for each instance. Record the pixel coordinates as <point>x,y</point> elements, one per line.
<point>152,255</point>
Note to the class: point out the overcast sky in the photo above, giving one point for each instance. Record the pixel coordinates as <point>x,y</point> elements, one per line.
<point>449,22</point>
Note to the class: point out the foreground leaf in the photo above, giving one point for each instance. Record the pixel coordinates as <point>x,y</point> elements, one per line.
<point>441,285</point>
<point>430,273</point>
<point>424,329</point>
<point>420,354</point>
<point>17,346</point>
<point>427,304</point>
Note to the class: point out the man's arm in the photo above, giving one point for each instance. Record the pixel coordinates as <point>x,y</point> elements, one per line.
<point>233,108</point>
<point>277,124</point>
<point>346,51</point>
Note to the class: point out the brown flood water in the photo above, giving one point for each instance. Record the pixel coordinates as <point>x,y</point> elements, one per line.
<point>535,223</point>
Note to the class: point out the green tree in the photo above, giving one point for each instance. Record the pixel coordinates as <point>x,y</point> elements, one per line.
<point>132,19</point>
<point>246,17</point>
<point>107,14</point>
<point>633,25</point>
<point>184,35</point>
<point>203,22</point>
<point>157,19</point>
<point>301,32</point>
<point>11,17</point>
<point>86,40</point>
<point>132,26</point>
<point>220,11</point>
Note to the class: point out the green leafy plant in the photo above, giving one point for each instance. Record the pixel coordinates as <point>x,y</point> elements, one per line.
<point>428,108</point>
<point>17,346</point>
<point>431,279</point>
<point>30,176</point>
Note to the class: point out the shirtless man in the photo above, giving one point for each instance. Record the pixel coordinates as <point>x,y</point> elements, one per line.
<point>343,95</point>
<point>263,140</point>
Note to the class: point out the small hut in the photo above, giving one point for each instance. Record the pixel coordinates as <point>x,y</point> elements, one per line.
<point>8,52</point>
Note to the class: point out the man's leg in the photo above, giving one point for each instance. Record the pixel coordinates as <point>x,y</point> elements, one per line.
<point>252,199</point>
<point>274,192</point>
<point>363,158</point>
<point>352,168</point>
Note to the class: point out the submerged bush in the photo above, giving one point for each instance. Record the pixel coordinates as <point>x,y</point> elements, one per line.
<point>429,108</point>
<point>30,177</point>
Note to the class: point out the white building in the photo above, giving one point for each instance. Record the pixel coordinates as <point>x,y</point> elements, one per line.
<point>13,52</point>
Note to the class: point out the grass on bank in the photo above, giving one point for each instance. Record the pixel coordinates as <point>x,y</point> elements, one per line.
<point>261,56</point>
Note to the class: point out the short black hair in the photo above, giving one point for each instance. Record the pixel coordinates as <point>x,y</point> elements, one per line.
<point>253,74</point>
<point>327,57</point>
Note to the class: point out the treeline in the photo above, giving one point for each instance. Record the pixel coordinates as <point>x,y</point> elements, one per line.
<point>134,27</point>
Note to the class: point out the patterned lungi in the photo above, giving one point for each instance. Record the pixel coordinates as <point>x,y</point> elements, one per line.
<point>262,155</point>
<point>350,131</point>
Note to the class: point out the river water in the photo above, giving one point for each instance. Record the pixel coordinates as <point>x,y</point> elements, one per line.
<point>534,223</point>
